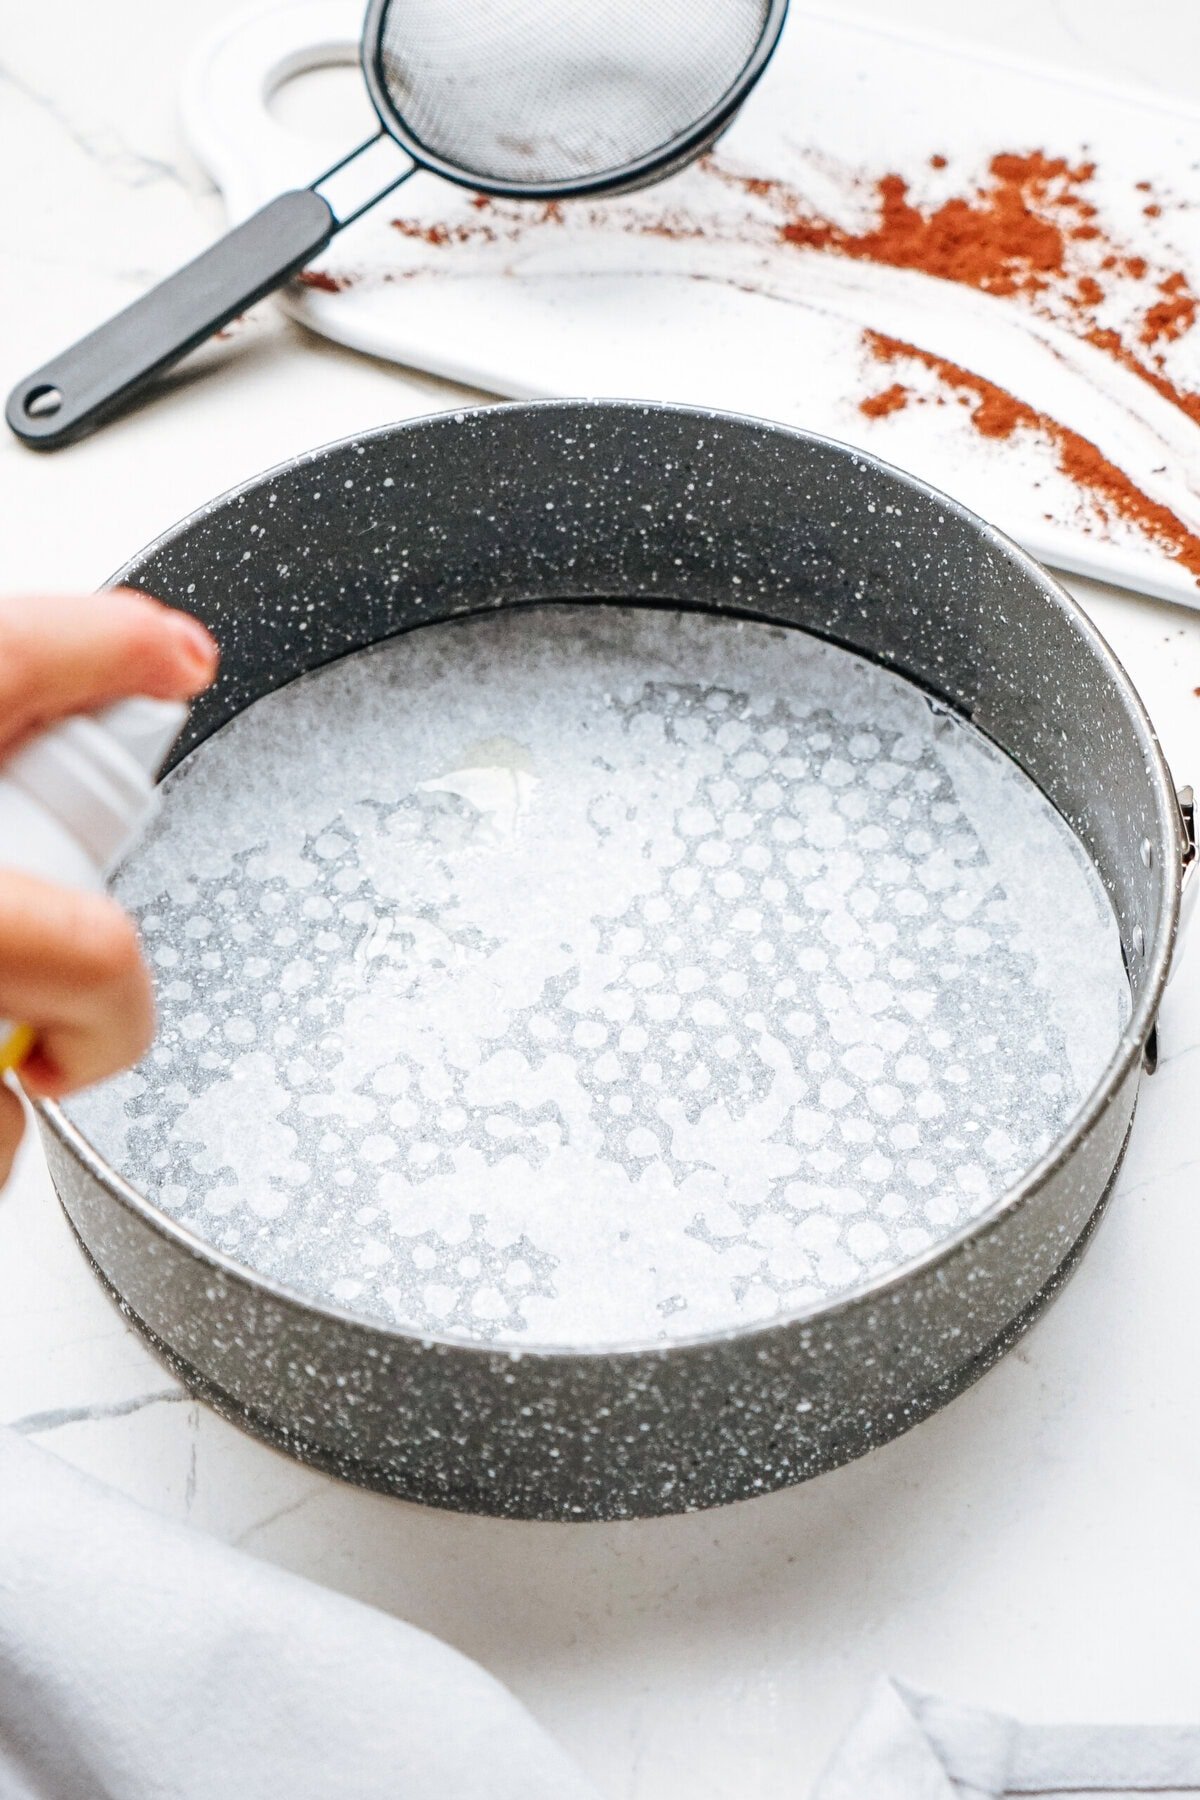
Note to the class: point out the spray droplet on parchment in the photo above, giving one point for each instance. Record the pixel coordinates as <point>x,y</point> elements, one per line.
<point>497,778</point>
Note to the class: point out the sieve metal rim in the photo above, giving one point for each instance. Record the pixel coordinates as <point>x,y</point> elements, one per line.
<point>676,151</point>
<point>1169,848</point>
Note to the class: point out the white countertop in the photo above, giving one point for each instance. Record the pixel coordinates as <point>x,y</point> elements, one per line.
<point>1033,1547</point>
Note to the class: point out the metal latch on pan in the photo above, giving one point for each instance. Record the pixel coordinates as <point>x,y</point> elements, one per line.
<point>1187,883</point>
<point>1188,889</point>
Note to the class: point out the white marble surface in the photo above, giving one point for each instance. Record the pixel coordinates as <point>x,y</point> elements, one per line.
<point>1032,1548</point>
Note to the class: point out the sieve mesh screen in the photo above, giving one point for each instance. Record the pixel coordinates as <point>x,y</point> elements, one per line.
<point>534,92</point>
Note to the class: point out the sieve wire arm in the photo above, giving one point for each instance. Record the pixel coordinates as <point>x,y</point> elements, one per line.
<point>70,395</point>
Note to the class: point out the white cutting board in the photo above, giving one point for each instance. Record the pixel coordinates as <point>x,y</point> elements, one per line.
<point>594,302</point>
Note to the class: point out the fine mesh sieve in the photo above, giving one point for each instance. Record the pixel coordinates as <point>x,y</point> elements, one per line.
<point>520,98</point>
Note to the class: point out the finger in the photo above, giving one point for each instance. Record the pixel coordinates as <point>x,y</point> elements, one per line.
<point>71,968</point>
<point>12,1123</point>
<point>77,653</point>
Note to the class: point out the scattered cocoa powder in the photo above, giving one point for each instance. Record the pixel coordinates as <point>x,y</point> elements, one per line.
<point>1174,314</point>
<point>1014,235</point>
<point>435,234</point>
<point>323,282</point>
<point>1110,342</point>
<point>997,240</point>
<point>878,406</point>
<point>998,414</point>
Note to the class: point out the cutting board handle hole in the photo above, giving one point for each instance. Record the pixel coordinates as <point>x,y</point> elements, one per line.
<point>325,100</point>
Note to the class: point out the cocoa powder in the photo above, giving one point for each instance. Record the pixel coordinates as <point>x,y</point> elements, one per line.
<point>996,240</point>
<point>878,406</point>
<point>996,413</point>
<point>322,281</point>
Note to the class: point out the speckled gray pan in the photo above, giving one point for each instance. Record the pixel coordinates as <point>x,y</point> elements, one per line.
<point>639,1059</point>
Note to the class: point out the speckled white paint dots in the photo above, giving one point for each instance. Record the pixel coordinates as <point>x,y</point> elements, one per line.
<point>589,976</point>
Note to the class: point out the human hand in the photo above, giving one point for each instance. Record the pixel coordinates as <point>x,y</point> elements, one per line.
<point>70,963</point>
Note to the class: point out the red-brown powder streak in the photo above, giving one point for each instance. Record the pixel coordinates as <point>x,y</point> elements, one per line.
<point>438,235</point>
<point>998,414</point>
<point>1171,316</point>
<point>878,406</point>
<point>1110,342</point>
<point>323,282</point>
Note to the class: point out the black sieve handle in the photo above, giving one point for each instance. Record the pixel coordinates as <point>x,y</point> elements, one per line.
<point>68,396</point>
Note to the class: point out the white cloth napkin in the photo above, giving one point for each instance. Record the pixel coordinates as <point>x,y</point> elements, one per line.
<point>140,1660</point>
<point>911,1746</point>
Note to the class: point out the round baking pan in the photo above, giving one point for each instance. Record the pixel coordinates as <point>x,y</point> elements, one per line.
<point>636,504</point>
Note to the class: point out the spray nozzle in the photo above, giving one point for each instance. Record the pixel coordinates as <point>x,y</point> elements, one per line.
<point>144,728</point>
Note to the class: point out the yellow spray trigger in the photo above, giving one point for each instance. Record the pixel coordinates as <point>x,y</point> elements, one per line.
<point>16,1048</point>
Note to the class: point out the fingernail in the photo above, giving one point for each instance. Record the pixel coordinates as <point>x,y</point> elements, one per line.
<point>198,644</point>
